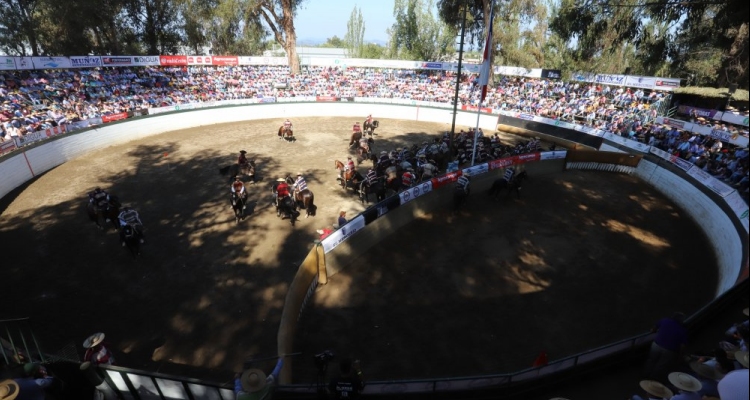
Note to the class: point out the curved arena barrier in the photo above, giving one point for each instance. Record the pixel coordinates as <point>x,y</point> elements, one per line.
<point>721,217</point>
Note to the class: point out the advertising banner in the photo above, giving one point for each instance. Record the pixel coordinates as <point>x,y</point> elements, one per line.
<point>24,63</point>
<point>7,63</point>
<point>245,60</point>
<point>446,179</point>
<point>608,79</point>
<point>114,117</point>
<point>117,61</point>
<point>476,170</point>
<point>146,60</point>
<point>728,116</point>
<point>382,208</point>
<point>632,144</point>
<point>486,110</point>
<point>267,100</point>
<point>199,60</point>
<point>501,163</point>
<point>643,82</point>
<point>432,65</point>
<point>666,84</point>
<point>7,146</point>
<point>524,158</point>
<point>416,191</point>
<point>740,208</point>
<point>674,123</point>
<point>225,60</point>
<point>710,182</point>
<point>340,235</point>
<point>57,130</point>
<point>166,61</point>
<point>699,112</point>
<point>589,130</point>
<point>50,62</point>
<point>326,98</point>
<point>551,74</point>
<point>85,61</point>
<point>30,138</point>
<point>553,155</point>
<point>721,134</point>
<point>519,71</point>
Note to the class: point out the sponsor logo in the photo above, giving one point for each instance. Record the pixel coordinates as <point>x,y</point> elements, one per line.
<point>745,121</point>
<point>416,191</point>
<point>501,163</point>
<point>526,117</point>
<point>406,196</point>
<point>660,82</point>
<point>674,123</point>
<point>610,79</point>
<point>116,60</point>
<point>527,157</point>
<point>382,210</point>
<point>432,65</point>
<point>146,59</point>
<point>85,61</point>
<point>447,177</point>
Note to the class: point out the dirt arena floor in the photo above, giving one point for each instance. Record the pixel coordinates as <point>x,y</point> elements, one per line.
<point>582,259</point>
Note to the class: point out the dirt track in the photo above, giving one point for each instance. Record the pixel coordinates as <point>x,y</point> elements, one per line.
<point>208,293</point>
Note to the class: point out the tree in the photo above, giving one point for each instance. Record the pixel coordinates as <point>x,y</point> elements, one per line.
<point>373,51</point>
<point>355,33</point>
<point>279,16</point>
<point>418,34</point>
<point>334,42</point>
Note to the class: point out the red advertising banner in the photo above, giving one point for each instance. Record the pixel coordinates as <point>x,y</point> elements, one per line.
<point>7,146</point>
<point>486,110</point>
<point>501,163</point>
<point>524,158</point>
<point>199,60</point>
<point>57,130</point>
<point>166,61</point>
<point>114,117</point>
<point>326,98</point>
<point>226,60</point>
<point>446,179</point>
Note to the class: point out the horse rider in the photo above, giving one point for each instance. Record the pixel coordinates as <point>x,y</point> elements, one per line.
<point>287,126</point>
<point>356,127</point>
<point>100,199</point>
<point>510,172</point>
<point>462,184</point>
<point>364,144</point>
<point>429,170</point>
<point>300,184</point>
<point>282,190</point>
<point>368,120</point>
<point>371,176</point>
<point>238,188</point>
<point>129,216</point>
<point>384,159</point>
<point>242,159</point>
<point>407,179</point>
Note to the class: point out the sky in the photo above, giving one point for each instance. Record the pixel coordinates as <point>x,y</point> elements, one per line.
<point>321,19</point>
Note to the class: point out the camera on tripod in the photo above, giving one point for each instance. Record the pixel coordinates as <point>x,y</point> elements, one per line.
<point>322,359</point>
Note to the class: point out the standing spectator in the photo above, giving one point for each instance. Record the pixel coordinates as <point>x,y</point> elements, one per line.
<point>350,383</point>
<point>670,342</point>
<point>96,352</point>
<point>253,384</point>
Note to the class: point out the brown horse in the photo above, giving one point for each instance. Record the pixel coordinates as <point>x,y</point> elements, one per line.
<point>304,199</point>
<point>286,134</point>
<point>107,214</point>
<point>349,178</point>
<point>354,140</point>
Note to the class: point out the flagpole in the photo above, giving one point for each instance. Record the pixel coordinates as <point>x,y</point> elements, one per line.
<point>484,74</point>
<point>476,132</point>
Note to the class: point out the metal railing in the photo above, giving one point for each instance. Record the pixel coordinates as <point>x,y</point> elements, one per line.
<point>18,343</point>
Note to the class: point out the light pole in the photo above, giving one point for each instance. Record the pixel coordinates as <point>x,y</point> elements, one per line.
<point>458,74</point>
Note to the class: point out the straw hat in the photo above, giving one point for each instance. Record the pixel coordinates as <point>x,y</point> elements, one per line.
<point>706,371</point>
<point>93,340</point>
<point>684,382</point>
<point>253,380</point>
<point>742,358</point>
<point>280,180</point>
<point>8,390</point>
<point>655,388</point>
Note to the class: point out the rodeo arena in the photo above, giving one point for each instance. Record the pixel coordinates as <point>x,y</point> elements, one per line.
<point>215,227</point>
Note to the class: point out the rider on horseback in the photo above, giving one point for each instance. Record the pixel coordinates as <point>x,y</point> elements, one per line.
<point>129,217</point>
<point>371,176</point>
<point>509,173</point>
<point>429,170</point>
<point>238,189</point>
<point>300,184</point>
<point>99,198</point>
<point>407,179</point>
<point>462,184</point>
<point>242,159</point>
<point>282,190</point>
<point>287,126</point>
<point>356,127</point>
<point>348,166</point>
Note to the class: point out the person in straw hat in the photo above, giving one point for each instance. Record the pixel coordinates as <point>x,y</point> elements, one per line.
<point>687,385</point>
<point>655,390</point>
<point>96,352</point>
<point>253,384</point>
<point>9,389</point>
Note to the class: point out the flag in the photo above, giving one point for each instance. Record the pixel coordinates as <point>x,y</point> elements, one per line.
<point>484,73</point>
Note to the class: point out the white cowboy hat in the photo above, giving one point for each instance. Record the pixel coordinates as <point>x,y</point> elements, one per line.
<point>706,371</point>
<point>280,180</point>
<point>93,340</point>
<point>299,173</point>
<point>253,380</point>
<point>684,382</point>
<point>8,389</point>
<point>742,358</point>
<point>655,388</point>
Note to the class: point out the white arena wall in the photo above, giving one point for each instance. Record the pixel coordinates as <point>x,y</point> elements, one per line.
<point>22,165</point>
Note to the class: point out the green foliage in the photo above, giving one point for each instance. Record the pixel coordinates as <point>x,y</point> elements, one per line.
<point>372,50</point>
<point>355,33</point>
<point>418,34</point>
<point>334,42</point>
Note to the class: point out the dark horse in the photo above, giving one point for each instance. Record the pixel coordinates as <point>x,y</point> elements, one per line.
<point>515,184</point>
<point>238,206</point>
<point>304,199</point>
<point>370,127</point>
<point>354,140</point>
<point>104,215</point>
<point>132,239</point>
<point>285,207</point>
<point>377,187</point>
<point>286,134</point>
<point>348,178</point>
<point>240,170</point>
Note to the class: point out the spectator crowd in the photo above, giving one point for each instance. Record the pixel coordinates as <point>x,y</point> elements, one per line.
<point>38,100</point>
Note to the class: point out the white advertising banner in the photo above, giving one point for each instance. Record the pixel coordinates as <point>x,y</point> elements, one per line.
<point>721,188</point>
<point>117,61</point>
<point>740,208</point>
<point>146,61</point>
<point>245,60</point>
<point>24,63</point>
<point>416,191</point>
<point>7,146</point>
<point>476,170</point>
<point>632,144</point>
<point>724,136</point>
<point>645,82</point>
<point>679,162</point>
<point>552,155</point>
<point>7,63</point>
<point>85,61</point>
<point>50,62</point>
<point>610,79</point>
<point>728,116</point>
<point>345,232</point>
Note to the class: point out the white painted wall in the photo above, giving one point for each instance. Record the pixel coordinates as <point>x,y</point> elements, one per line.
<point>15,170</point>
<point>727,244</point>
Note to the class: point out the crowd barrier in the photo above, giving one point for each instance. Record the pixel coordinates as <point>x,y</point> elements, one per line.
<point>728,239</point>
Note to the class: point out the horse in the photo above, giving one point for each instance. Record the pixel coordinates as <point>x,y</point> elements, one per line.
<point>106,214</point>
<point>354,140</point>
<point>370,127</point>
<point>377,187</point>
<point>239,170</point>
<point>349,178</point>
<point>515,184</point>
<point>285,207</point>
<point>286,134</point>
<point>132,239</point>
<point>238,206</point>
<point>304,199</point>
